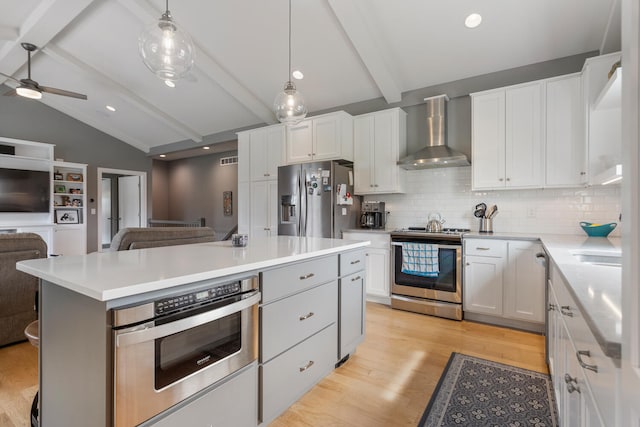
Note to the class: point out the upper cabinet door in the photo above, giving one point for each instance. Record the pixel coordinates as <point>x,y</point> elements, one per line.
<point>488,140</point>
<point>300,142</point>
<point>244,157</point>
<point>258,155</point>
<point>524,144</point>
<point>275,143</point>
<point>326,138</point>
<point>363,154</point>
<point>566,145</point>
<point>385,152</point>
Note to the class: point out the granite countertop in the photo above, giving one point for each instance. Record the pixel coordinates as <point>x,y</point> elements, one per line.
<point>596,289</point>
<point>106,276</point>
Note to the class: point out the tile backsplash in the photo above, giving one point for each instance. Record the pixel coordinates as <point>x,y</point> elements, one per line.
<point>448,191</point>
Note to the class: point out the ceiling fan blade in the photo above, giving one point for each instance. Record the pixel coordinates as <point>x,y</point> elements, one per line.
<point>12,92</point>
<point>62,92</point>
<point>9,77</point>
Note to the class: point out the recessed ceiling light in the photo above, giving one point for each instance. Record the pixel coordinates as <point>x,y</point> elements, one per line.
<point>473,20</point>
<point>169,83</point>
<point>110,108</point>
<point>205,148</point>
<point>163,155</point>
<point>297,74</point>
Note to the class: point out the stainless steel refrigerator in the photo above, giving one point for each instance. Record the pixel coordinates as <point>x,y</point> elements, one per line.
<point>316,199</point>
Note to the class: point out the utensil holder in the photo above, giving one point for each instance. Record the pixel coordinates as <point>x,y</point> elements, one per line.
<point>486,225</point>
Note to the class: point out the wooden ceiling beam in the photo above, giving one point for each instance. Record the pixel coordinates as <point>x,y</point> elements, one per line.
<point>364,42</point>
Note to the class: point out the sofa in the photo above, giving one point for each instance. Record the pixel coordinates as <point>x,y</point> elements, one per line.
<point>17,289</point>
<point>152,237</point>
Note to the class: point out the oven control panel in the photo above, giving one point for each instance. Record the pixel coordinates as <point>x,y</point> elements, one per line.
<point>166,305</point>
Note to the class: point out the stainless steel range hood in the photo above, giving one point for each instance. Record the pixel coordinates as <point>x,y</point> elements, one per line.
<point>436,154</point>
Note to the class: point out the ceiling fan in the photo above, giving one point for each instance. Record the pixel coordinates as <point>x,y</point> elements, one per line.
<point>30,88</point>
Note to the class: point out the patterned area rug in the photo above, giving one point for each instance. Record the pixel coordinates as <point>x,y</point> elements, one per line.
<point>478,392</point>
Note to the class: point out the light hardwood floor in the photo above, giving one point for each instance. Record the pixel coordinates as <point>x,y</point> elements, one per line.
<point>387,382</point>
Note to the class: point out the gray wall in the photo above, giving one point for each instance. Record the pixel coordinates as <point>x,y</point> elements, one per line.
<point>74,141</point>
<point>193,189</point>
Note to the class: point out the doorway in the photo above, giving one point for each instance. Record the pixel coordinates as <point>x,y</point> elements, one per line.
<point>122,202</point>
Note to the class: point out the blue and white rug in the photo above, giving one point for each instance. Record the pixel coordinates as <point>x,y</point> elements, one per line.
<point>478,392</point>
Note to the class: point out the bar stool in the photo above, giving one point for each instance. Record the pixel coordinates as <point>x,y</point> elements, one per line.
<point>33,335</point>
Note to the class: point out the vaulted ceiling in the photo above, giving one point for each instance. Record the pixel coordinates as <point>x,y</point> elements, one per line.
<point>349,51</point>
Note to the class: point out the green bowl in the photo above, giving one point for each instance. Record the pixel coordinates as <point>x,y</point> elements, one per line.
<point>601,230</point>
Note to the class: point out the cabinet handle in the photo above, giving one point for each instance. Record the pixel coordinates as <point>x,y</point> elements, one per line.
<point>501,179</point>
<point>355,262</point>
<point>587,353</point>
<point>468,264</point>
<point>309,154</point>
<point>568,379</point>
<point>583,173</point>
<point>266,229</point>
<point>307,366</point>
<point>370,185</point>
<point>306,316</point>
<point>508,179</point>
<point>267,174</point>
<point>355,278</point>
<point>482,249</point>
<point>551,307</point>
<point>566,310</point>
<point>307,276</point>
<point>571,388</point>
<point>375,185</point>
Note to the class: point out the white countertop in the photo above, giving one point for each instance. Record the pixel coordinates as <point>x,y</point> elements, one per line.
<point>368,230</point>
<point>106,276</point>
<point>595,288</point>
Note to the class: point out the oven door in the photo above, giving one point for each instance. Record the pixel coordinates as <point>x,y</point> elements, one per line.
<point>160,363</point>
<point>445,287</point>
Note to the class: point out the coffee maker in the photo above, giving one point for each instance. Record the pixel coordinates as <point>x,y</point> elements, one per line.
<point>373,215</point>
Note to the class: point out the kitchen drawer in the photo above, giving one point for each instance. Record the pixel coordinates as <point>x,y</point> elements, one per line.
<point>218,405</point>
<point>287,377</point>
<point>603,382</point>
<point>485,247</point>
<point>287,280</point>
<point>353,261</point>
<point>286,322</point>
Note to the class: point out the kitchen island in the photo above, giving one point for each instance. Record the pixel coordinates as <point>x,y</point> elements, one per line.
<point>79,293</point>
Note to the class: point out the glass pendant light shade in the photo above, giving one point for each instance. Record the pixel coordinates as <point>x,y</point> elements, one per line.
<point>289,105</point>
<point>166,49</point>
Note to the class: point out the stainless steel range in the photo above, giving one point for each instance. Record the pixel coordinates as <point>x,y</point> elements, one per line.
<point>438,293</point>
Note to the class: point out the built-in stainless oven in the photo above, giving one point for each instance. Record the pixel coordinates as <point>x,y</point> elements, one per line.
<point>440,295</point>
<point>171,348</point>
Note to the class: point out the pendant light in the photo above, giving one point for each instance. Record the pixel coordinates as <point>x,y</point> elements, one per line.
<point>166,49</point>
<point>289,104</point>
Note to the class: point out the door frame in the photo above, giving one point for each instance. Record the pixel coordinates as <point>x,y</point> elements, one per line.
<point>143,196</point>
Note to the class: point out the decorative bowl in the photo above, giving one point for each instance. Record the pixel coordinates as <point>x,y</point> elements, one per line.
<point>597,230</point>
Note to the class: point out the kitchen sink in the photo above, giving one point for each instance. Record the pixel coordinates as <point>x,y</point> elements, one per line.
<point>613,259</point>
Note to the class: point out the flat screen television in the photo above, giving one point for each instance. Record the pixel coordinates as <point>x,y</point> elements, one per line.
<point>24,190</point>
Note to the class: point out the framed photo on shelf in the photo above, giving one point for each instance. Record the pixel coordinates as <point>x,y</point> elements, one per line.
<point>67,216</point>
<point>58,188</point>
<point>76,177</point>
<point>57,176</point>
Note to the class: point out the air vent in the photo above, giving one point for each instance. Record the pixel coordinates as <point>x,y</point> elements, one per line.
<point>226,161</point>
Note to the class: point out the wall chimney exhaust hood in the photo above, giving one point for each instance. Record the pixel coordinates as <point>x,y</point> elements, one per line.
<point>436,154</point>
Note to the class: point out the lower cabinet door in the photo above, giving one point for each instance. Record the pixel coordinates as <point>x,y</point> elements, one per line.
<point>352,309</point>
<point>287,377</point>
<point>378,263</point>
<point>233,403</point>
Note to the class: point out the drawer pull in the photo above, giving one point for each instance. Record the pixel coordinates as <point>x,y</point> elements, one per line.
<point>355,278</point>
<point>568,379</point>
<point>307,276</point>
<point>571,388</point>
<point>551,307</point>
<point>566,310</point>
<point>307,366</point>
<point>355,262</point>
<point>306,316</point>
<point>482,249</point>
<point>572,383</point>
<point>579,355</point>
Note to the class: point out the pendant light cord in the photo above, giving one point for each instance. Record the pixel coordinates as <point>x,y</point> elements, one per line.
<point>289,76</point>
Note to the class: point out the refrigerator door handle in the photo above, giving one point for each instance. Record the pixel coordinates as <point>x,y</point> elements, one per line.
<point>303,222</point>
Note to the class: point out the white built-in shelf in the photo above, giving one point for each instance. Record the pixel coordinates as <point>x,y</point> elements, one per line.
<point>609,96</point>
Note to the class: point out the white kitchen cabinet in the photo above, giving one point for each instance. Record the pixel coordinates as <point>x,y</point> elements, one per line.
<point>507,138</point>
<point>264,208</point>
<point>524,282</point>
<point>325,137</point>
<point>260,153</point>
<point>378,264</point>
<point>380,140</point>
<point>565,142</point>
<point>503,283</point>
<point>603,113</point>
